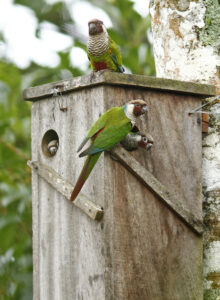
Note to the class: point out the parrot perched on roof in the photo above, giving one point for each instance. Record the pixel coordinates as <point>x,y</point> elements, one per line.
<point>103,52</point>
<point>106,132</point>
<point>134,140</point>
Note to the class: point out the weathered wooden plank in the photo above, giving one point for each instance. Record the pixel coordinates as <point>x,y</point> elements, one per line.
<point>150,252</point>
<point>93,210</point>
<point>159,189</point>
<point>68,246</point>
<point>115,79</point>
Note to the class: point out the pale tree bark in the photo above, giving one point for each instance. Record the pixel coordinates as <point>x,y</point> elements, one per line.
<point>187,47</point>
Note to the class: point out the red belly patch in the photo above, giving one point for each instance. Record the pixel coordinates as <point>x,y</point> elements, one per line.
<point>100,65</point>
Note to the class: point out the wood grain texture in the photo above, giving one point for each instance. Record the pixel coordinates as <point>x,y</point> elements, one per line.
<point>68,245</point>
<point>141,250</point>
<point>151,254</point>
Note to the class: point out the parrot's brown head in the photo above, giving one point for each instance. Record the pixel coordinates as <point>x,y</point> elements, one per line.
<point>145,141</point>
<point>96,27</point>
<point>139,107</point>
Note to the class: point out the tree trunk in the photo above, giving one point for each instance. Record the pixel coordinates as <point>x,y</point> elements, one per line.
<point>186,47</point>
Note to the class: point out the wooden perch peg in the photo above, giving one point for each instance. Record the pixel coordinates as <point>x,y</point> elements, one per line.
<point>93,210</point>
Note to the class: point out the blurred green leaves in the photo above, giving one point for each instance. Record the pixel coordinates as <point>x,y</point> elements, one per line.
<point>130,31</point>
<point>15,191</point>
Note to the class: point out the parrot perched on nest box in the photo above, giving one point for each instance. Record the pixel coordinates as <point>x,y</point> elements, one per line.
<point>110,129</point>
<point>134,140</point>
<point>103,52</point>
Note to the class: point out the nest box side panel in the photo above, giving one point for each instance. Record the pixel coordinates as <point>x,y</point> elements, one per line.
<point>67,244</point>
<point>152,253</point>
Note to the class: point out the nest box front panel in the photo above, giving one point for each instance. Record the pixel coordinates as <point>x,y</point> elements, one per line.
<point>68,245</point>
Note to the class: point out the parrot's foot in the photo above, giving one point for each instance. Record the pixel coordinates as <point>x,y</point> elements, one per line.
<point>99,73</point>
<point>103,71</point>
<point>92,75</point>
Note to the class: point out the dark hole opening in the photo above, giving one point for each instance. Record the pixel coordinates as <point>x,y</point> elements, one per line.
<point>50,143</point>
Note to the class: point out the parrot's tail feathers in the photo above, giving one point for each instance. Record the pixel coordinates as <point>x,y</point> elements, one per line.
<point>81,180</point>
<point>87,169</point>
<point>119,67</point>
<point>91,150</point>
<point>83,143</point>
<point>85,152</point>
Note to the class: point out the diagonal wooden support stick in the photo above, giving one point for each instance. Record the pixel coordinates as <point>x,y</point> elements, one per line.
<point>158,188</point>
<point>93,210</point>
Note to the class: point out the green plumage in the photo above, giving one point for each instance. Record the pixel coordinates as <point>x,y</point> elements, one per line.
<point>107,131</point>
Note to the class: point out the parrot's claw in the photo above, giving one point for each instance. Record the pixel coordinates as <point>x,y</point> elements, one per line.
<point>103,71</point>
<point>92,75</point>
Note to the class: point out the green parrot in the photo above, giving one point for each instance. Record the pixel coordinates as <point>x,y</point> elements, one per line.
<point>110,129</point>
<point>103,52</point>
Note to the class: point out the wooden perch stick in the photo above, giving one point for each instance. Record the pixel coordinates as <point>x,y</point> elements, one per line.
<point>93,210</point>
<point>157,188</point>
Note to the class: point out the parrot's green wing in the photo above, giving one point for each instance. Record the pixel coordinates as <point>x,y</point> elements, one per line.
<point>116,127</point>
<point>98,126</point>
<point>116,55</point>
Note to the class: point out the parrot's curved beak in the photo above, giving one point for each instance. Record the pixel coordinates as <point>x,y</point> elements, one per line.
<point>144,109</point>
<point>149,145</point>
<point>95,28</point>
<point>92,26</point>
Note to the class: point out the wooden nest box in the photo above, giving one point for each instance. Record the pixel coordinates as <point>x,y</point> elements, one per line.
<point>148,244</point>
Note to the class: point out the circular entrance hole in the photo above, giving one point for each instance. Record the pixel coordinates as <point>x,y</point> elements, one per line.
<point>50,143</point>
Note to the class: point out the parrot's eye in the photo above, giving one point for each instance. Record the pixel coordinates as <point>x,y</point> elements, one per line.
<point>144,139</point>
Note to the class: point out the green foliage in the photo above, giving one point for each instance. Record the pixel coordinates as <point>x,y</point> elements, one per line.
<point>15,191</point>
<point>130,33</point>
